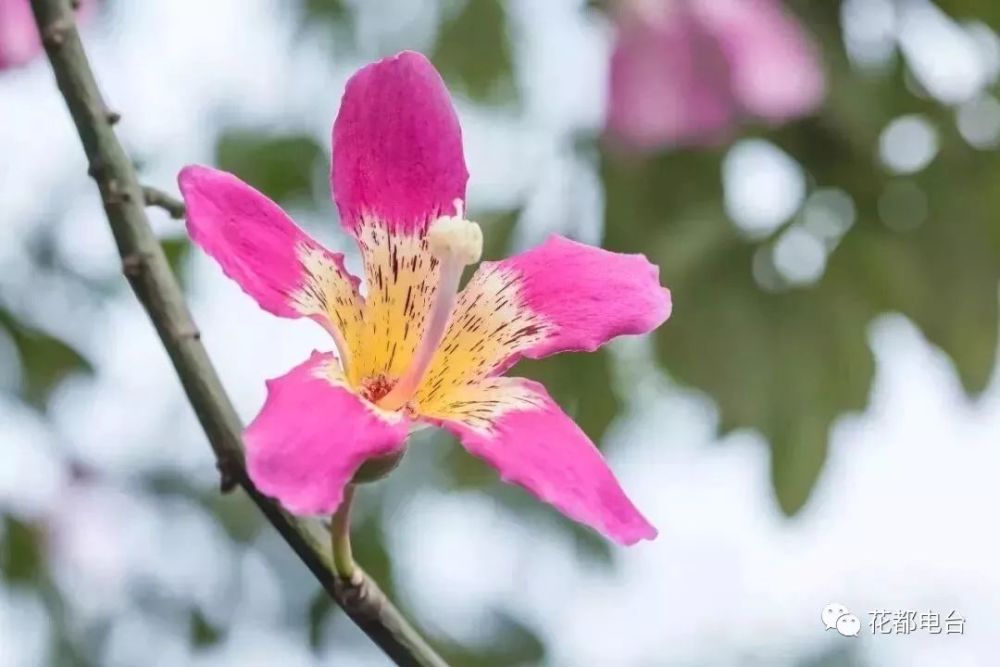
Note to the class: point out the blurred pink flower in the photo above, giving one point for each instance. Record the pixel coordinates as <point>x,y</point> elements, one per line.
<point>19,41</point>
<point>686,71</point>
<point>414,347</point>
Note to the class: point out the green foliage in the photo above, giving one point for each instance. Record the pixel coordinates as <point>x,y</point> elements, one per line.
<point>329,10</point>
<point>498,232</point>
<point>240,519</point>
<point>473,52</point>
<point>837,655</point>
<point>986,11</point>
<point>285,167</point>
<point>202,632</point>
<point>45,360</point>
<point>582,385</point>
<point>21,553</point>
<point>788,361</point>
<point>369,549</point>
<point>177,249</point>
<point>334,20</point>
<point>320,608</point>
<point>513,645</point>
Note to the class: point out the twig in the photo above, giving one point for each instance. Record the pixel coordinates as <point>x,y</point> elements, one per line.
<point>153,283</point>
<point>156,197</point>
<point>340,539</point>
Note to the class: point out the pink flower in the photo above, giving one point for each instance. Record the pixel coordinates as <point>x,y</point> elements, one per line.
<point>19,40</point>
<point>686,71</point>
<point>415,348</point>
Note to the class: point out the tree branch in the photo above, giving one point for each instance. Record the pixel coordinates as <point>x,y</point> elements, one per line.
<point>156,197</point>
<point>149,275</point>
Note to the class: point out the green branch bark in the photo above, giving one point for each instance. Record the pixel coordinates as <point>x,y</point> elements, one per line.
<point>147,271</point>
<point>159,198</point>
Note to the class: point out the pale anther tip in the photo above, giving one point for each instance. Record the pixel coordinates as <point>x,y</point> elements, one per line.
<point>456,238</point>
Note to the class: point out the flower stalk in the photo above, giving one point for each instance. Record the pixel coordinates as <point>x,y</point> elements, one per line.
<point>340,539</point>
<point>455,243</point>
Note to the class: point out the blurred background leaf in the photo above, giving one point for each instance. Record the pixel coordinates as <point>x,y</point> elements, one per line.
<point>332,21</point>
<point>177,249</point>
<point>333,11</point>
<point>21,552</point>
<point>45,360</point>
<point>283,166</point>
<point>473,51</point>
<point>512,644</point>
<point>203,632</point>
<point>788,359</point>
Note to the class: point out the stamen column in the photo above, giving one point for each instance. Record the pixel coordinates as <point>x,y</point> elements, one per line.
<point>456,243</point>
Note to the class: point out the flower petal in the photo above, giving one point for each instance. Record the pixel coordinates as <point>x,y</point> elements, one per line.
<point>397,146</point>
<point>587,295</point>
<point>775,68</point>
<point>401,276</point>
<point>515,426</point>
<point>313,434</point>
<point>669,81</point>
<point>280,266</point>
<point>19,40</point>
<point>397,165</point>
<point>561,296</point>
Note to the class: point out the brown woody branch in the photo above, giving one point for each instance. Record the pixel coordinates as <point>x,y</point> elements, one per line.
<point>156,197</point>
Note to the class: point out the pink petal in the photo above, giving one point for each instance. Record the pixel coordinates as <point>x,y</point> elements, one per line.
<point>397,146</point>
<point>775,69</point>
<point>19,41</point>
<point>669,80</point>
<point>532,443</point>
<point>562,296</point>
<point>313,434</point>
<point>587,295</point>
<point>280,266</point>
